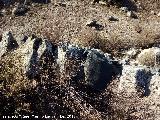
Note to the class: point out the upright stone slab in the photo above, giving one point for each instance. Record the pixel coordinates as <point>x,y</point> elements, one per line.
<point>98,70</point>
<point>8,43</point>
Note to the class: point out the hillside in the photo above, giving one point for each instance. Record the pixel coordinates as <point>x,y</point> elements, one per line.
<point>80,59</point>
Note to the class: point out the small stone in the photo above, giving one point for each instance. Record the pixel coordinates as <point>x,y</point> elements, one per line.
<point>70,56</point>
<point>132,53</point>
<point>3,12</point>
<point>102,3</point>
<point>124,9</point>
<point>94,24</point>
<point>8,43</point>
<point>153,12</point>
<point>131,14</point>
<point>111,18</point>
<point>134,79</point>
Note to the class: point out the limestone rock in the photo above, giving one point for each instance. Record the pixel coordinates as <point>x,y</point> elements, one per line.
<point>155,85</point>
<point>135,79</point>
<point>132,14</point>
<point>32,52</point>
<point>124,9</point>
<point>7,43</point>
<point>69,59</point>
<point>98,70</point>
<point>111,18</point>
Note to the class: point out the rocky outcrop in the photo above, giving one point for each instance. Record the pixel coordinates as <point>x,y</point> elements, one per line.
<point>89,67</point>
<point>141,72</point>
<point>8,43</point>
<point>155,85</point>
<point>135,79</point>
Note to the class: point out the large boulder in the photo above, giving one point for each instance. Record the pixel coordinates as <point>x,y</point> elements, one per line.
<point>90,67</point>
<point>8,43</point>
<point>98,69</point>
<point>135,79</point>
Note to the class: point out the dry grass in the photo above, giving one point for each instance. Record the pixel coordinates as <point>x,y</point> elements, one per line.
<point>12,75</point>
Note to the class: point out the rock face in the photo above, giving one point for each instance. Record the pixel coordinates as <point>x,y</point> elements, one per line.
<point>98,70</point>
<point>70,60</point>
<point>32,53</point>
<point>135,79</point>
<point>155,85</point>
<point>93,66</point>
<point>149,57</point>
<point>7,43</point>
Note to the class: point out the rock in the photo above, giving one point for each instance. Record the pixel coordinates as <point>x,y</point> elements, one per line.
<point>20,10</point>
<point>98,70</point>
<point>111,18</point>
<point>102,3</point>
<point>124,9</point>
<point>94,24</point>
<point>155,85</point>
<point>131,14</point>
<point>149,57</point>
<point>24,39</point>
<point>135,79</point>
<point>132,53</point>
<point>69,60</point>
<point>7,43</point>
<point>32,53</point>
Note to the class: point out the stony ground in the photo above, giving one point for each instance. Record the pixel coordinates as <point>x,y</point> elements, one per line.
<point>68,20</point>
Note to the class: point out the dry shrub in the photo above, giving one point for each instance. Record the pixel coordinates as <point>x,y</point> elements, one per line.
<point>147,58</point>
